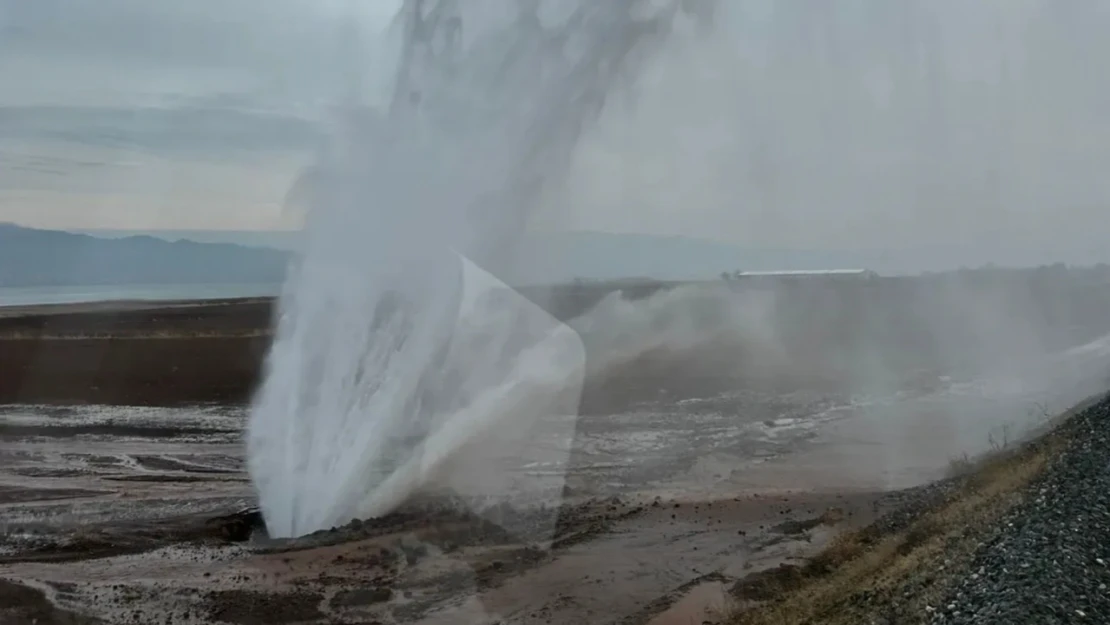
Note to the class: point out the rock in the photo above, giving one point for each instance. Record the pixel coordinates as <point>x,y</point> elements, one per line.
<point>1040,564</point>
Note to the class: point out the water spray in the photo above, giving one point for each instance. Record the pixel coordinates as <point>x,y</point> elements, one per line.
<point>385,377</point>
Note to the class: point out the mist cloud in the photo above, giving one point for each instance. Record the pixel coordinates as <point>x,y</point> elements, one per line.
<point>941,132</point>
<point>966,131</point>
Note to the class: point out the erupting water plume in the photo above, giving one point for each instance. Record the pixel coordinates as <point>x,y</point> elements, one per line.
<point>393,350</point>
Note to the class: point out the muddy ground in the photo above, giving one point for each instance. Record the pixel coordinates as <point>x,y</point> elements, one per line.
<point>187,353</point>
<point>129,515</point>
<point>122,474</point>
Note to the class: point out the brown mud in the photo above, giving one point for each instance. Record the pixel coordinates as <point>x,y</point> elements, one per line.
<point>426,563</point>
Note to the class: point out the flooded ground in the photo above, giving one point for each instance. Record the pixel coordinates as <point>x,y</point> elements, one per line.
<point>686,471</point>
<point>105,510</point>
<point>108,512</point>
<point>115,514</point>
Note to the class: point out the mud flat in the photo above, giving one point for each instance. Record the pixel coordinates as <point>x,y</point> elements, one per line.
<point>117,514</point>
<point>122,484</point>
<point>129,514</point>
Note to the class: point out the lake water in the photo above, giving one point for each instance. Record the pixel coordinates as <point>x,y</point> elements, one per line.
<point>32,296</point>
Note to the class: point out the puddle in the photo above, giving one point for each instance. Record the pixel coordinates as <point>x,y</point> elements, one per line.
<point>706,602</point>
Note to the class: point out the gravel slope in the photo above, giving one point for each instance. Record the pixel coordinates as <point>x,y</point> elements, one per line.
<point>1049,560</point>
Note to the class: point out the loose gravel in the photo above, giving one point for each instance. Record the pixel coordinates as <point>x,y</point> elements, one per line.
<point>1048,561</point>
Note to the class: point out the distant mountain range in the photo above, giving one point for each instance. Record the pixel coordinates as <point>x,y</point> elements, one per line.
<point>32,257</point>
<point>582,254</point>
<point>275,239</point>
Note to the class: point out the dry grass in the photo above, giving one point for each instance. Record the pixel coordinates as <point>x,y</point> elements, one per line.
<point>998,444</point>
<point>865,576</point>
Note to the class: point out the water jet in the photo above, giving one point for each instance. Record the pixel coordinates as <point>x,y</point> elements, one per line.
<point>400,359</point>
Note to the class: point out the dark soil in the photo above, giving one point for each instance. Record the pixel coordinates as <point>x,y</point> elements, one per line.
<point>130,318</point>
<point>123,538</point>
<point>121,353</point>
<point>20,431</point>
<point>133,353</point>
<point>17,494</point>
<point>159,355</point>
<point>130,371</point>
<point>254,608</point>
<point>453,524</point>
<point>215,354</point>
<point>177,354</point>
<point>22,605</point>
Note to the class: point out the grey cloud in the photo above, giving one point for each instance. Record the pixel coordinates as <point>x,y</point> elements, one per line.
<point>278,52</point>
<point>195,32</point>
<point>179,130</point>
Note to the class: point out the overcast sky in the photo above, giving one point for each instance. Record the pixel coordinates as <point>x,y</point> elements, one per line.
<point>815,124</point>
<point>140,114</point>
